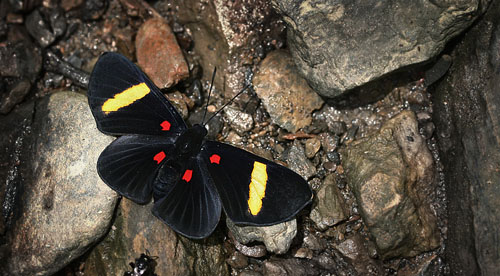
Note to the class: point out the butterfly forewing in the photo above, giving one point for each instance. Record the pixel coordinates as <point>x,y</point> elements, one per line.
<point>192,206</point>
<point>129,165</point>
<point>124,101</point>
<point>254,190</point>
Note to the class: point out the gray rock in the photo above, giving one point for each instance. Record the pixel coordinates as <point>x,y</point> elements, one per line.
<point>339,44</point>
<point>284,93</point>
<point>392,177</point>
<point>329,207</point>
<point>241,122</point>
<point>467,108</point>
<point>66,207</point>
<point>136,230</point>
<point>16,94</point>
<point>277,238</point>
<point>298,162</point>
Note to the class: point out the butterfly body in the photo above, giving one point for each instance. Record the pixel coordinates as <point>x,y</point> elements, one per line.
<point>190,178</point>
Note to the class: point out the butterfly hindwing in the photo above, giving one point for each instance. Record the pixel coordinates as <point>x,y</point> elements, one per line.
<point>129,165</point>
<point>190,205</point>
<point>124,101</point>
<point>254,190</point>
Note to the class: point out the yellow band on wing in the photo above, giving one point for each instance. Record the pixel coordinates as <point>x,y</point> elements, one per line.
<point>125,98</point>
<point>257,187</point>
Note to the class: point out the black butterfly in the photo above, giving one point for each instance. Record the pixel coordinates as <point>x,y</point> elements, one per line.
<point>191,179</point>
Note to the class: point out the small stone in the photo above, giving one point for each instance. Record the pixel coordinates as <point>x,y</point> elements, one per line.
<point>277,238</point>
<point>241,122</point>
<point>14,96</point>
<point>159,55</point>
<point>237,260</point>
<point>314,243</point>
<point>255,251</point>
<point>303,253</point>
<point>298,162</point>
<point>177,100</point>
<point>329,209</point>
<point>312,147</point>
<point>285,94</point>
<point>233,138</point>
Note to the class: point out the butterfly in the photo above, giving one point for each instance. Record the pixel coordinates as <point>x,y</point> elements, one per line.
<point>190,178</point>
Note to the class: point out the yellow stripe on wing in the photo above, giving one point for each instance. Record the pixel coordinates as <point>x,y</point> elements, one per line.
<point>257,187</point>
<point>125,98</point>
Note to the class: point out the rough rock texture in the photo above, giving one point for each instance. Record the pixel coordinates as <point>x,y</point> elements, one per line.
<point>329,206</point>
<point>158,53</point>
<point>136,230</point>
<point>229,34</point>
<point>277,238</point>
<point>467,108</point>
<point>297,161</point>
<point>14,135</point>
<point>65,205</point>
<point>285,95</point>
<point>340,44</point>
<point>392,177</point>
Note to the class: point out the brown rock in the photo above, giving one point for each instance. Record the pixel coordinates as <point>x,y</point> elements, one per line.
<point>285,94</point>
<point>159,55</point>
<point>393,177</point>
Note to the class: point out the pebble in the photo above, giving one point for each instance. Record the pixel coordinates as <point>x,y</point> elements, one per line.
<point>312,146</point>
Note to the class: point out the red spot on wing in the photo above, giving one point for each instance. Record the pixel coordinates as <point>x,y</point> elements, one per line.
<point>165,126</point>
<point>215,159</point>
<point>159,157</point>
<point>187,175</point>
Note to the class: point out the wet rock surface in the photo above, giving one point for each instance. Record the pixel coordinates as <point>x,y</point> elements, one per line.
<point>467,125</point>
<point>277,238</point>
<point>236,36</point>
<point>285,95</point>
<point>64,204</point>
<point>392,177</point>
<point>135,231</point>
<point>342,45</point>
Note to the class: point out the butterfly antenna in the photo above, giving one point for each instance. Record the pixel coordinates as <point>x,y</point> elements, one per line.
<point>230,101</point>
<point>209,93</point>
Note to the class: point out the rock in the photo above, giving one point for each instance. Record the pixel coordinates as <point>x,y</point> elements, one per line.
<point>177,100</point>
<point>66,207</point>
<point>466,108</point>
<point>289,267</point>
<point>159,55</point>
<point>340,45</point>
<point>303,253</point>
<point>45,32</point>
<point>392,176</point>
<point>237,260</point>
<point>136,230</point>
<point>329,208</point>
<point>277,238</point>
<point>21,60</point>
<point>312,147</point>
<point>229,35</point>
<point>285,95</point>
<point>298,162</point>
<point>16,95</point>
<point>15,129</point>
<point>353,248</point>
<point>314,243</point>
<point>255,251</point>
<point>241,122</point>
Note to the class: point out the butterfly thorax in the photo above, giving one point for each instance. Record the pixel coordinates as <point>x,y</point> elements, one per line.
<point>189,142</point>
